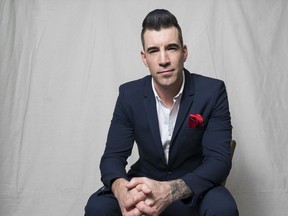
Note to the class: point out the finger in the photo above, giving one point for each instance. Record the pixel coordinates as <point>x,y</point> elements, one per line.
<point>135,212</point>
<point>149,202</point>
<point>135,181</point>
<point>144,187</point>
<point>146,209</point>
<point>132,212</point>
<point>133,198</point>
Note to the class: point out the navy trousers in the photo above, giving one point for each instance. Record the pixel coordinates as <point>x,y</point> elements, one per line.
<point>216,202</point>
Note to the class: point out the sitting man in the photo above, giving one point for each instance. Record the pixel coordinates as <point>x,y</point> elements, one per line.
<point>181,124</point>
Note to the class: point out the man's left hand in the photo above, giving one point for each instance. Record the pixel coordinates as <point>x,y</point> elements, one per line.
<point>159,197</point>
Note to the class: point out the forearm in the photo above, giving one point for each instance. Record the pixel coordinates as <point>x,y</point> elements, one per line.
<point>179,190</point>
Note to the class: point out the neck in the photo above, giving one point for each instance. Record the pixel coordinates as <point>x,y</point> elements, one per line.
<point>167,93</point>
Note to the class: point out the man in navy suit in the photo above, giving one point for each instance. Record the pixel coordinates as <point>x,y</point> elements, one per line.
<point>181,125</point>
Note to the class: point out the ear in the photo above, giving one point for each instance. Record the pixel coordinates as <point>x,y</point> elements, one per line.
<point>185,52</point>
<point>143,56</point>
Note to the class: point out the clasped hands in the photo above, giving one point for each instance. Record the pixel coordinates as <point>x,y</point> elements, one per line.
<point>142,196</point>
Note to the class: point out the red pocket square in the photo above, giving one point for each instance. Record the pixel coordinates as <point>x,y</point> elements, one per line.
<point>195,120</point>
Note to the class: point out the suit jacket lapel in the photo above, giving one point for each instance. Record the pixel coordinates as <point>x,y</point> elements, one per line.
<point>151,111</point>
<point>150,108</point>
<point>185,104</point>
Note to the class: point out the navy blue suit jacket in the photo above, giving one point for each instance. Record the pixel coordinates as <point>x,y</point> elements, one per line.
<point>199,156</point>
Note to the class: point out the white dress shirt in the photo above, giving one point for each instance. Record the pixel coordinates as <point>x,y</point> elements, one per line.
<point>167,117</point>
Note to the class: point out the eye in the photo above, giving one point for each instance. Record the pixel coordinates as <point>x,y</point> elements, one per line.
<point>173,48</point>
<point>152,50</point>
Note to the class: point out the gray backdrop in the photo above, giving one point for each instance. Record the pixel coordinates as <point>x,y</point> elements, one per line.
<point>61,62</point>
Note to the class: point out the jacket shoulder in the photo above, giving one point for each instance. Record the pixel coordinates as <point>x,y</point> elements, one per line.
<point>135,86</point>
<point>203,83</point>
<point>201,78</point>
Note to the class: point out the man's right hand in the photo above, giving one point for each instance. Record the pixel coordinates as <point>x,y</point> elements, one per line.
<point>132,201</point>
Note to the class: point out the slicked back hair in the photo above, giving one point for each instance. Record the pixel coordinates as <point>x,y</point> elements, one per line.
<point>160,19</point>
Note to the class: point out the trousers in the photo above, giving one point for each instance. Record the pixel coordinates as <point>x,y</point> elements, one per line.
<point>216,202</point>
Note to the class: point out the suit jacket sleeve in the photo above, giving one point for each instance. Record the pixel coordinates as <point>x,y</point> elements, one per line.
<point>119,144</point>
<point>216,162</point>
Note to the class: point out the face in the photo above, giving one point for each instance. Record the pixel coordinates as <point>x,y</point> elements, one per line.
<point>164,55</point>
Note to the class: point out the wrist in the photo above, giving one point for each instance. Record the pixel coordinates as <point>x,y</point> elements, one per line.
<point>118,185</point>
<point>179,190</point>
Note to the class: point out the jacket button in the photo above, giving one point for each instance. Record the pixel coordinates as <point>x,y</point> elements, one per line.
<point>169,173</point>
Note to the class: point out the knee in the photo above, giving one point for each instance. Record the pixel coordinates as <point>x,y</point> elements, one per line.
<point>92,207</point>
<point>99,205</point>
<point>218,202</point>
<point>227,210</point>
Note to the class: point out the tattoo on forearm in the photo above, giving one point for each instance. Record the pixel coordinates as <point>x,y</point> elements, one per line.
<point>179,190</point>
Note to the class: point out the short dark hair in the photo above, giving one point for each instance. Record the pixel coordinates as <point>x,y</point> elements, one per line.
<point>160,19</point>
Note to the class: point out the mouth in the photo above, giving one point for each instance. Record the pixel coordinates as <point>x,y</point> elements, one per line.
<point>166,71</point>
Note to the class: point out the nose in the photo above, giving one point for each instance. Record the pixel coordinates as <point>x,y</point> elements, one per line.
<point>163,58</point>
